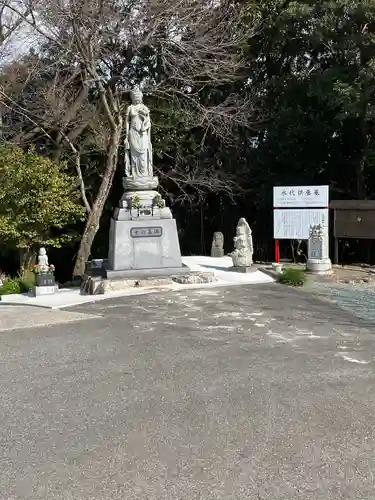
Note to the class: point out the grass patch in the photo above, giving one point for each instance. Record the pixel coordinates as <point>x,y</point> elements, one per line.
<point>292,276</point>
<point>21,284</point>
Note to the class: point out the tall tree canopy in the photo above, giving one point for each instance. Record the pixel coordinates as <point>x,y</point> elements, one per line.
<point>92,52</point>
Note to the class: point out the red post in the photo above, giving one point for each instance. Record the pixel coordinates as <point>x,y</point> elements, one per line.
<point>277,251</point>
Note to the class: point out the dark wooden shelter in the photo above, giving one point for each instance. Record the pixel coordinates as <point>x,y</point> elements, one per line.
<point>352,219</point>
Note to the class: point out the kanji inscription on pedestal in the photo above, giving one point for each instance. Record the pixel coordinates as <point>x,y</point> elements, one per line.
<point>146,232</point>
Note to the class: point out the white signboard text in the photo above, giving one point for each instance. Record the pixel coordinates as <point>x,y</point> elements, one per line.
<point>292,224</point>
<point>300,196</point>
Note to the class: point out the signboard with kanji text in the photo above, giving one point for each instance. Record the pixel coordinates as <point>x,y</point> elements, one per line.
<point>293,224</point>
<point>300,196</point>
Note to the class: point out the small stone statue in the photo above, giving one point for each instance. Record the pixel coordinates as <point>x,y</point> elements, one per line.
<point>138,147</point>
<point>217,248</point>
<point>242,256</point>
<point>316,232</point>
<point>43,261</point>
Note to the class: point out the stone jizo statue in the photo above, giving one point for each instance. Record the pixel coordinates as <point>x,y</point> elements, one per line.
<point>217,248</point>
<point>138,147</point>
<point>43,263</point>
<point>242,256</point>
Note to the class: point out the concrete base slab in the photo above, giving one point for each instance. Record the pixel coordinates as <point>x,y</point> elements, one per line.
<point>165,272</point>
<point>101,286</point>
<point>244,270</point>
<point>71,297</point>
<point>195,277</point>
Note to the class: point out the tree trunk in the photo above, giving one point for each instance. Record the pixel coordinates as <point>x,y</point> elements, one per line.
<point>91,228</point>
<point>360,169</point>
<point>93,220</point>
<point>361,182</point>
<point>27,258</point>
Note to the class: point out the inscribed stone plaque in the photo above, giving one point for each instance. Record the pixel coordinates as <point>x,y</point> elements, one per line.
<point>315,249</point>
<point>46,290</point>
<point>146,232</point>
<point>45,280</point>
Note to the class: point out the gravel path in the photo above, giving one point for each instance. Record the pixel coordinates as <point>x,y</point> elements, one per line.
<point>356,298</point>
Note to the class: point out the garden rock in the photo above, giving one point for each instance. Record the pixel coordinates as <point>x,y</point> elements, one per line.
<point>195,278</point>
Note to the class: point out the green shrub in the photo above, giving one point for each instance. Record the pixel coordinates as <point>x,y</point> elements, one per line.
<point>26,280</point>
<point>292,276</point>
<point>21,284</point>
<point>25,284</point>
<point>10,286</point>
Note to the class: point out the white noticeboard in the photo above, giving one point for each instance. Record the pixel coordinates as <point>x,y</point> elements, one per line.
<point>300,196</point>
<point>292,224</point>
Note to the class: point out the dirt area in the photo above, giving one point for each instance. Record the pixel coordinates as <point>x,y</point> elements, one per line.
<point>343,274</point>
<point>351,274</point>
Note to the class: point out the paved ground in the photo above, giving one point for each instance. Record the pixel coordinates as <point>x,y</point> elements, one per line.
<point>15,317</point>
<point>224,394</point>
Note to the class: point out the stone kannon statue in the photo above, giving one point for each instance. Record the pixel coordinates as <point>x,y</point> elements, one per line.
<point>138,147</point>
<point>242,256</point>
<point>217,248</point>
<point>43,263</point>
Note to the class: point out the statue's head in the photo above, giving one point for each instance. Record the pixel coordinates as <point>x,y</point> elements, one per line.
<point>136,95</point>
<point>42,251</point>
<point>242,222</point>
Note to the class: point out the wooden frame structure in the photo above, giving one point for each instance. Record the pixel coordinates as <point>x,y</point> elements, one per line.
<point>352,219</point>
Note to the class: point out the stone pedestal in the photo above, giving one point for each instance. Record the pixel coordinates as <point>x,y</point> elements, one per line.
<point>45,290</point>
<point>45,280</point>
<point>45,285</point>
<point>243,269</point>
<point>318,261</point>
<point>143,239</point>
<point>319,266</point>
<point>217,252</point>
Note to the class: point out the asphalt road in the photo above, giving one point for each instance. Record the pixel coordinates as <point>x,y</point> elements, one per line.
<point>252,392</point>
